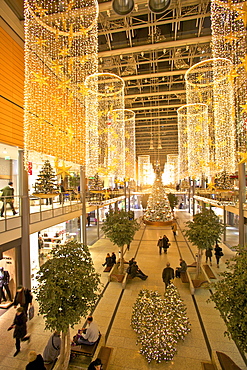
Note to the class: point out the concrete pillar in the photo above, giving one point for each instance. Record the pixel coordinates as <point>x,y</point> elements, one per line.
<point>224,221</point>
<point>25,216</point>
<point>242,198</point>
<point>97,215</point>
<point>83,201</point>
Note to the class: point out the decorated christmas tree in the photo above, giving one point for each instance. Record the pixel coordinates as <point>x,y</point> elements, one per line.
<point>96,183</point>
<point>46,182</point>
<point>158,206</point>
<point>159,324</point>
<point>222,181</point>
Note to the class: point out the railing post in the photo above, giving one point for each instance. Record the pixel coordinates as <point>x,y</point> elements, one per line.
<point>25,216</point>
<point>83,200</point>
<point>242,199</point>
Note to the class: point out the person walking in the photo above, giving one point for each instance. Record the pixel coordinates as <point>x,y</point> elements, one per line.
<point>167,274</point>
<point>20,329</point>
<point>218,253</point>
<point>23,297</point>
<point>208,255</point>
<point>8,198</point>
<point>166,243</point>
<point>174,228</point>
<point>160,244</point>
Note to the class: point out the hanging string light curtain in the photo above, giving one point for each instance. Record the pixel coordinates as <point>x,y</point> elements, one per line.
<point>130,149</point>
<point>105,132</point>
<point>229,22</point>
<point>182,143</point>
<point>196,116</point>
<point>172,168</point>
<point>145,170</point>
<point>60,51</point>
<point>208,82</point>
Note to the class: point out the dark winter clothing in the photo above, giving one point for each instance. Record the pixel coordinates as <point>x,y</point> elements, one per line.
<point>218,253</point>
<point>23,298</point>
<point>20,329</point>
<point>108,261</point>
<point>160,244</point>
<point>4,283</point>
<point>182,268</point>
<point>166,243</point>
<point>167,275</point>
<point>52,349</point>
<point>95,363</point>
<point>208,255</point>
<point>113,258</point>
<point>8,198</point>
<point>37,364</point>
<point>136,272</point>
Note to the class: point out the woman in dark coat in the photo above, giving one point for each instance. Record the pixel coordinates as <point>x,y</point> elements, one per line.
<point>36,362</point>
<point>95,365</point>
<point>20,329</point>
<point>218,253</point>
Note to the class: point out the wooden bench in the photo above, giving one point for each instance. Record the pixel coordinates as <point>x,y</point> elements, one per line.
<point>51,365</point>
<point>194,264</point>
<point>184,277</point>
<point>107,269</point>
<point>207,366</point>
<point>197,283</point>
<point>85,349</point>
<point>105,354</point>
<point>226,362</point>
<point>209,272</point>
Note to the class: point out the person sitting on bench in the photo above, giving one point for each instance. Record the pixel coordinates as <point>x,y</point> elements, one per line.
<point>136,272</point>
<point>182,268</point>
<point>90,335</point>
<point>108,261</point>
<point>95,365</point>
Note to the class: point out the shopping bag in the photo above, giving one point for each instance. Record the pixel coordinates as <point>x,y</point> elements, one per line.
<point>31,312</point>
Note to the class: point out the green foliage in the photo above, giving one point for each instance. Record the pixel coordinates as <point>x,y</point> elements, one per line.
<point>120,227</point>
<point>173,200</point>
<point>68,286</point>
<point>230,298</point>
<point>46,182</point>
<point>204,230</point>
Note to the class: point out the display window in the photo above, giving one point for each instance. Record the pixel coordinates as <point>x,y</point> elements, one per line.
<point>7,277</point>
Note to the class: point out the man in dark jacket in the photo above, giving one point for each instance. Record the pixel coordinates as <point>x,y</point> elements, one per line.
<point>166,243</point>
<point>182,268</point>
<point>23,297</point>
<point>8,198</point>
<point>167,274</point>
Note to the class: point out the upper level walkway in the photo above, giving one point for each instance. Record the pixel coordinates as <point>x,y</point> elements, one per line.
<point>114,309</point>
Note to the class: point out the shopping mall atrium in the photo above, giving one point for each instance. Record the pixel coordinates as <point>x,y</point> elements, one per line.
<point>124,105</point>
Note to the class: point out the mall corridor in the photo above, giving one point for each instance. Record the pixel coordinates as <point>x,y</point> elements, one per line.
<point>114,309</point>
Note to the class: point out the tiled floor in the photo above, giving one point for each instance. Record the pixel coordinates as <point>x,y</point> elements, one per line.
<point>122,338</point>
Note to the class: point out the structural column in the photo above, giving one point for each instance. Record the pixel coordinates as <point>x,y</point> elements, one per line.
<point>242,199</point>
<point>83,201</point>
<point>25,216</point>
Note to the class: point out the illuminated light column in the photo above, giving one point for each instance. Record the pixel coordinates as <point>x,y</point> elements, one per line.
<point>182,143</point>
<point>130,148</point>
<point>208,82</point>
<point>145,170</point>
<point>105,132</point>
<point>61,48</point>
<point>197,138</point>
<point>172,167</point>
<point>229,21</point>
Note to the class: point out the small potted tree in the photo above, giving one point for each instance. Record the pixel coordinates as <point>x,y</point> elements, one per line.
<point>67,290</point>
<point>173,200</point>
<point>120,228</point>
<point>204,231</point>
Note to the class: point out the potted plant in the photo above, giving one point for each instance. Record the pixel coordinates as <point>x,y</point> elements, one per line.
<point>120,228</point>
<point>204,231</point>
<point>67,291</point>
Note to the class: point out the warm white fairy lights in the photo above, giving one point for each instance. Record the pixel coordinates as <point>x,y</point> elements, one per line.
<point>208,82</point>
<point>196,116</point>
<point>145,170</point>
<point>229,21</point>
<point>60,51</point>
<point>130,150</point>
<point>105,136</point>
<point>182,143</point>
<point>171,169</point>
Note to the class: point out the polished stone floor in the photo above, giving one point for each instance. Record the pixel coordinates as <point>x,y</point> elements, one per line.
<point>207,328</point>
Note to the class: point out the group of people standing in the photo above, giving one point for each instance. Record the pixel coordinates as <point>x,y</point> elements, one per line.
<point>163,243</point>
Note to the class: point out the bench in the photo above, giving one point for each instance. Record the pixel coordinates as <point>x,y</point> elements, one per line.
<point>84,349</point>
<point>209,272</point>
<point>207,366</point>
<point>107,269</point>
<point>197,283</point>
<point>118,277</point>
<point>105,354</point>
<point>226,362</point>
<point>194,264</point>
<point>51,365</point>
<point>184,277</point>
